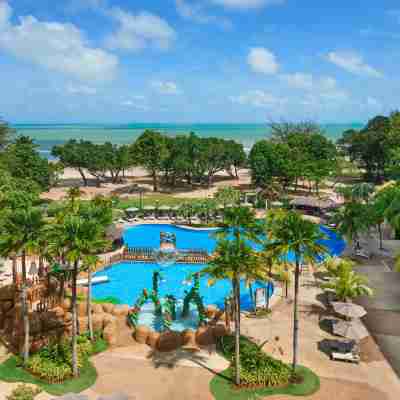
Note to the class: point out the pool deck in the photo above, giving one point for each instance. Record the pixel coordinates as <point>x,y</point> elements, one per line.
<point>145,375</point>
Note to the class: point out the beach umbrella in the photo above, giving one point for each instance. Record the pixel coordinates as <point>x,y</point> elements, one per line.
<point>164,208</point>
<point>175,208</point>
<point>132,210</point>
<point>149,208</point>
<point>354,330</point>
<point>247,205</point>
<point>349,310</point>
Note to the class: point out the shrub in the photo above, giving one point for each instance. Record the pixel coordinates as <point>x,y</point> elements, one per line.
<point>53,363</point>
<point>110,299</point>
<point>257,369</point>
<point>24,392</point>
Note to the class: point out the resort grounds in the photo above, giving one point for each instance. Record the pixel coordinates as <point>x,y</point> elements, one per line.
<point>134,369</point>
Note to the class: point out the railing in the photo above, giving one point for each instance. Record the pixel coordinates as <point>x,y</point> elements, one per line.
<point>147,254</point>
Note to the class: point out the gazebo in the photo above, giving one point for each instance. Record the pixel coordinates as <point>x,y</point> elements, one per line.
<point>313,205</point>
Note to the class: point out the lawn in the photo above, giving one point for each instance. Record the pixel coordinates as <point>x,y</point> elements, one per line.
<point>11,372</point>
<point>155,199</point>
<point>222,388</point>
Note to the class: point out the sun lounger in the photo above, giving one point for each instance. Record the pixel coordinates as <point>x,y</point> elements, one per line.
<point>349,357</point>
<point>362,254</point>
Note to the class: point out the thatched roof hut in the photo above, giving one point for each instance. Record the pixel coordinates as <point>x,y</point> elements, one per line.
<point>313,202</point>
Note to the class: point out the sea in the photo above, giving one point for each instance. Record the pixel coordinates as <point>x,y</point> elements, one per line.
<point>49,135</point>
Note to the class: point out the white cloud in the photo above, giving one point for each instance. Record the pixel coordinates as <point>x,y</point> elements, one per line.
<point>136,104</point>
<point>262,60</point>
<point>55,46</point>
<point>247,4</point>
<point>195,11</point>
<point>354,63</point>
<point>169,88</point>
<point>81,89</point>
<point>299,80</point>
<point>136,32</point>
<point>258,98</point>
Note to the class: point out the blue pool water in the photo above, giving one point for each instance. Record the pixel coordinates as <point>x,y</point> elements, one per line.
<point>127,280</point>
<point>149,236</point>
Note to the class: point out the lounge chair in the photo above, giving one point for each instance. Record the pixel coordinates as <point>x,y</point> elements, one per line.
<point>345,351</point>
<point>362,254</point>
<point>349,357</point>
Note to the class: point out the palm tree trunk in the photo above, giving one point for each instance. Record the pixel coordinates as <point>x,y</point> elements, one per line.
<point>236,292</point>
<point>14,269</point>
<point>75,370</point>
<point>89,306</point>
<point>296,316</point>
<point>380,237</point>
<point>253,302</point>
<point>25,311</point>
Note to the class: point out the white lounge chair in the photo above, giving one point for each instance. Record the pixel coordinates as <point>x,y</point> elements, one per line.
<point>349,357</point>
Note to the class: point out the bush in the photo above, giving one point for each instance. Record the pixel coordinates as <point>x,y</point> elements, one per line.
<point>110,300</point>
<point>24,392</point>
<point>257,369</point>
<point>53,363</point>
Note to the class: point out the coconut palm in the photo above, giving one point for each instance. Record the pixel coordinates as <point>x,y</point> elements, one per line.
<point>347,284</point>
<point>351,219</point>
<point>235,259</point>
<point>295,235</point>
<point>227,195</point>
<point>21,231</point>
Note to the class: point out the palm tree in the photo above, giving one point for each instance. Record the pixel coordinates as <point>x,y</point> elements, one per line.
<point>21,231</point>
<point>293,234</point>
<point>351,220</point>
<point>79,234</point>
<point>227,195</point>
<point>235,259</point>
<point>347,284</point>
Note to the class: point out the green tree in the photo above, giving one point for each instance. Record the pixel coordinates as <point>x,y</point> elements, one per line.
<point>293,234</point>
<point>227,195</point>
<point>236,260</point>
<point>23,161</point>
<point>6,133</point>
<point>20,231</point>
<point>150,150</point>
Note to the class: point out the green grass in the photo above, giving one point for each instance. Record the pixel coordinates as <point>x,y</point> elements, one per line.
<point>222,388</point>
<point>11,372</point>
<point>110,300</point>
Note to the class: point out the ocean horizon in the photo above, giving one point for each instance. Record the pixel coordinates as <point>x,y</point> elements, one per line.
<point>48,135</point>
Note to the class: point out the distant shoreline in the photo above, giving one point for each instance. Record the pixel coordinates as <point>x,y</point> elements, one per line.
<point>49,135</point>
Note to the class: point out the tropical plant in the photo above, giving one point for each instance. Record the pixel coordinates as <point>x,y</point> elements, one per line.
<point>20,234</point>
<point>80,234</point>
<point>351,219</point>
<point>347,284</point>
<point>24,392</point>
<point>293,234</point>
<point>227,195</point>
<point>234,260</point>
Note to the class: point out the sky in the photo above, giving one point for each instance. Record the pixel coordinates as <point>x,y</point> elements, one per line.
<point>187,61</point>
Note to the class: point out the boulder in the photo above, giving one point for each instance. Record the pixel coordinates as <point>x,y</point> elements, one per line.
<point>97,309</point>
<point>110,334</point>
<point>121,310</point>
<point>142,332</point>
<point>153,339</point>
<point>81,309</point>
<point>220,330</point>
<point>205,336</point>
<point>6,306</point>
<point>35,323</point>
<point>169,341</point>
<point>109,320</point>
<point>108,308</point>
<point>83,324</point>
<point>66,304</point>
<point>97,322</point>
<point>211,311</point>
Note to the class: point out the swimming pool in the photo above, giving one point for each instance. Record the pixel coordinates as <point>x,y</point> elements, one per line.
<point>186,238</point>
<point>127,280</point>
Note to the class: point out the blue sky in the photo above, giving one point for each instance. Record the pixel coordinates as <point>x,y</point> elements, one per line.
<point>198,60</point>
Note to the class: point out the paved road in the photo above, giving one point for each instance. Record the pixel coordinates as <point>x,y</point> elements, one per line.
<point>383,318</point>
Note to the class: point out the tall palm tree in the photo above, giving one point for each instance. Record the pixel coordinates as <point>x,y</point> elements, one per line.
<point>21,231</point>
<point>79,235</point>
<point>235,259</point>
<point>295,235</point>
<point>351,220</point>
